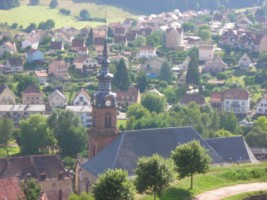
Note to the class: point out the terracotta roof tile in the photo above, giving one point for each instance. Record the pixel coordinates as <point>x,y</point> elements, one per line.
<point>31,89</point>
<point>10,189</point>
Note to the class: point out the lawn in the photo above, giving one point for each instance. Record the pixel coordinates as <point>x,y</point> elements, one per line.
<point>121,122</point>
<point>246,195</point>
<point>25,14</point>
<point>216,178</point>
<point>13,149</point>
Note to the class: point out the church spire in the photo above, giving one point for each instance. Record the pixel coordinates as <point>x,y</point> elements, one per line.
<point>105,52</point>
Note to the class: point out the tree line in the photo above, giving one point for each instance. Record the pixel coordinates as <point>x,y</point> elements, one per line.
<point>166,5</point>
<point>8,4</point>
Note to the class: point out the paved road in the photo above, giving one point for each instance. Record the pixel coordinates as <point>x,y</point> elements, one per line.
<point>224,192</point>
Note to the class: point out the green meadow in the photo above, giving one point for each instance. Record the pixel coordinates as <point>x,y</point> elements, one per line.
<point>25,14</point>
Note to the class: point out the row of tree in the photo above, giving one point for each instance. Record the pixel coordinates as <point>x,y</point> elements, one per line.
<point>8,4</point>
<point>149,6</point>
<point>39,134</point>
<point>207,122</point>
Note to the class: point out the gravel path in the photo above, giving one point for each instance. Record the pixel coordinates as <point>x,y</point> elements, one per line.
<point>224,192</point>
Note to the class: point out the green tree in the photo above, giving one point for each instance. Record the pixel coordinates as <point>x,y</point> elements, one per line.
<point>6,130</point>
<point>30,28</point>
<point>24,81</point>
<point>121,78</point>
<point>154,39</point>
<point>35,135</point>
<point>137,111</point>
<point>221,133</point>
<point>84,14</point>
<point>205,34</point>
<point>154,174</point>
<point>153,102</point>
<point>69,132</point>
<point>257,138</point>
<point>31,189</point>
<point>53,4</point>
<point>113,185</point>
<point>82,196</point>
<point>261,122</point>
<point>191,158</point>
<point>49,24</point>
<point>188,27</point>
<point>229,122</point>
<point>90,38</point>
<point>166,73</point>
<point>139,41</point>
<point>141,81</point>
<point>34,2</point>
<point>192,75</point>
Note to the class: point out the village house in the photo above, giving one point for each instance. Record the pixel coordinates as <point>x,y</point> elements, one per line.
<point>146,52</point>
<point>17,112</point>
<point>119,31</point>
<point>59,69</point>
<point>57,100</point>
<point>85,113</point>
<point>197,98</point>
<point>77,44</point>
<point>232,100</point>
<point>7,96</point>
<point>152,67</point>
<point>34,55</point>
<point>131,36</point>
<point>10,188</point>
<point>13,65</point>
<point>41,77</point>
<point>206,52</point>
<point>32,96</point>
<point>128,97</point>
<point>86,64</point>
<point>245,62</point>
<point>98,45</point>
<point>33,43</point>
<point>64,37</point>
<point>82,98</point>
<point>175,38</point>
<point>214,66</point>
<point>121,39</point>
<point>261,107</point>
<point>7,48</point>
<point>56,46</point>
<point>47,170</point>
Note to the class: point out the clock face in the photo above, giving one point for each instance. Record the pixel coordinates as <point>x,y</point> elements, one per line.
<point>108,103</point>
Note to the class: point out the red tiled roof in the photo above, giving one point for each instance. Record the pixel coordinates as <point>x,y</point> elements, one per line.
<point>240,94</point>
<point>216,96</point>
<point>41,74</point>
<point>56,45</point>
<point>132,92</point>
<point>10,189</point>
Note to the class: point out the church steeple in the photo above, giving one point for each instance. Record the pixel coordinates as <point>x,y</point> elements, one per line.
<point>104,111</point>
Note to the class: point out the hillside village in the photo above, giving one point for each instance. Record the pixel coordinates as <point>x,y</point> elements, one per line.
<point>178,77</point>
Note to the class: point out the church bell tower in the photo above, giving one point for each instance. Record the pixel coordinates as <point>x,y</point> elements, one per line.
<point>104,112</point>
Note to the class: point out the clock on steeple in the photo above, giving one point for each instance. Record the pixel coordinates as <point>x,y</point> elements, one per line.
<point>104,110</point>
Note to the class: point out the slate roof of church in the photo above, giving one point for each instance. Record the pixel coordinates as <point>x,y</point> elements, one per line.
<point>125,150</point>
<point>232,149</point>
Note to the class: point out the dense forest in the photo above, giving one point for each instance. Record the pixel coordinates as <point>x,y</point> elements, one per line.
<point>7,4</point>
<point>156,6</point>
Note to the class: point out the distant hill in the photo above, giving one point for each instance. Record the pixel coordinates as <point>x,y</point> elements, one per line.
<point>156,6</point>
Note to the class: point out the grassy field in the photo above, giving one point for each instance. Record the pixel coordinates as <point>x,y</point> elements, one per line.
<point>216,178</point>
<point>245,195</point>
<point>25,14</point>
<point>121,122</point>
<point>13,149</point>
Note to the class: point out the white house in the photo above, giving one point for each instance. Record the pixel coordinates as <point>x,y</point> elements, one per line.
<point>86,64</point>
<point>261,107</point>
<point>146,52</point>
<point>41,76</point>
<point>18,112</point>
<point>206,52</point>
<point>34,55</point>
<point>85,112</point>
<point>13,65</point>
<point>245,62</point>
<point>7,47</point>
<point>237,101</point>
<point>30,42</point>
<point>82,98</point>
<point>57,100</point>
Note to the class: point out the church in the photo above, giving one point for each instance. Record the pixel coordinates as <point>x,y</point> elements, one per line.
<point>109,148</point>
